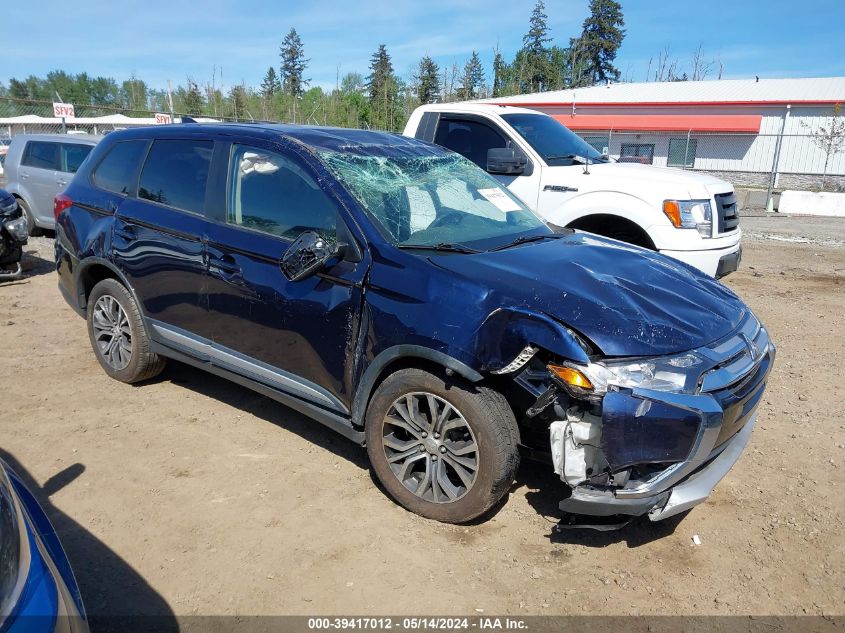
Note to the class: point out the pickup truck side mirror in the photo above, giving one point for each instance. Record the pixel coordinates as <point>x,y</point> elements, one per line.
<point>506,161</point>
<point>309,253</point>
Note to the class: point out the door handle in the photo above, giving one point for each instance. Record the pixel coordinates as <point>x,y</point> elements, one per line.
<point>226,265</point>
<point>24,175</point>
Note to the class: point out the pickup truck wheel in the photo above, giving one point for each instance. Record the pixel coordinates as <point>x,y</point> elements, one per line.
<point>118,336</point>
<point>446,450</point>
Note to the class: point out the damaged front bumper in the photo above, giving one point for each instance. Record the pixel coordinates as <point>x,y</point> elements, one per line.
<point>647,452</point>
<point>691,491</point>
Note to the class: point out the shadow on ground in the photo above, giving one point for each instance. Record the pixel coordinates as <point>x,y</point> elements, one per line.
<point>244,399</point>
<point>116,597</point>
<point>544,490</point>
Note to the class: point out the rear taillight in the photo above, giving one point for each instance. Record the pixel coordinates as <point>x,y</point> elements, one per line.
<point>60,203</point>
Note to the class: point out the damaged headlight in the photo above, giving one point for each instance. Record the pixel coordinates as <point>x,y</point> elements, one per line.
<point>677,374</point>
<point>690,214</point>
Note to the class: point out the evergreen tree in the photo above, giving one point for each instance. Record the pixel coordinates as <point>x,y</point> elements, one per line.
<point>192,100</point>
<point>270,85</point>
<point>534,67</point>
<point>294,64</point>
<point>382,89</point>
<point>428,81</point>
<point>472,78</point>
<point>500,69</point>
<point>601,38</point>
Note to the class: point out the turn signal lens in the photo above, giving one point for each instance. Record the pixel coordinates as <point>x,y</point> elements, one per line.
<point>673,211</point>
<point>571,376</point>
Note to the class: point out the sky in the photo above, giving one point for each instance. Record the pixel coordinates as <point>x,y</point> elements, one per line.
<point>161,40</point>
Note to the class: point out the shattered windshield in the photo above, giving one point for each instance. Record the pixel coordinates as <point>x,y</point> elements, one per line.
<point>433,198</point>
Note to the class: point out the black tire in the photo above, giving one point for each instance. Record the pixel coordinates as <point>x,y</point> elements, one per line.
<point>33,230</point>
<point>143,364</point>
<point>493,429</point>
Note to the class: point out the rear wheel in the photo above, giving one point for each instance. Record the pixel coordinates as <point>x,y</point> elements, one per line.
<point>118,335</point>
<point>444,450</point>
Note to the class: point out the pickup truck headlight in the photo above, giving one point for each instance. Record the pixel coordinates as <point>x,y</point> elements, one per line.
<point>677,374</point>
<point>690,214</point>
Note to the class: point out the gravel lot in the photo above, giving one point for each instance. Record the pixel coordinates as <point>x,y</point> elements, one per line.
<point>190,495</point>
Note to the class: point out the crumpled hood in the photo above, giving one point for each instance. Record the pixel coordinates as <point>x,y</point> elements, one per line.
<point>626,300</point>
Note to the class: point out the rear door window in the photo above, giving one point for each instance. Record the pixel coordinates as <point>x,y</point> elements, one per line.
<point>118,170</point>
<point>176,173</point>
<point>41,155</point>
<point>73,155</point>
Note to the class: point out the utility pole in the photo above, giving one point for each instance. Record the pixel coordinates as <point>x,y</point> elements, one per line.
<point>170,99</point>
<point>773,177</point>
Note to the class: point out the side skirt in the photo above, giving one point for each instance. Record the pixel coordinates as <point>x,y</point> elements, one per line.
<point>342,425</point>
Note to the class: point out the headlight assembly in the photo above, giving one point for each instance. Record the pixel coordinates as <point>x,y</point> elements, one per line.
<point>690,214</point>
<point>18,229</point>
<point>676,374</point>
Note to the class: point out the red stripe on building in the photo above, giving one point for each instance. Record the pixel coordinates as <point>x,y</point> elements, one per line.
<point>673,104</point>
<point>749,123</point>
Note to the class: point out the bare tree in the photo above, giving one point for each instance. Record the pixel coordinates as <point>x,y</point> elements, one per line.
<point>700,66</point>
<point>829,138</point>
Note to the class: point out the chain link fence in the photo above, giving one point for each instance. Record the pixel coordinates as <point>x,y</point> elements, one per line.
<point>759,165</point>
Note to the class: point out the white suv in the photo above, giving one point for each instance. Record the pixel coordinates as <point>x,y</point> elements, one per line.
<point>691,217</point>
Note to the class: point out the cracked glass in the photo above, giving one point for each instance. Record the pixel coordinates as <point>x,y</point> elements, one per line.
<point>426,200</point>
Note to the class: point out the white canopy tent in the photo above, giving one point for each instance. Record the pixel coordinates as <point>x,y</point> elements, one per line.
<point>97,124</point>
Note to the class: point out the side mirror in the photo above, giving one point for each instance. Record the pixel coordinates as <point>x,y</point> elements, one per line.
<point>309,253</point>
<point>505,160</point>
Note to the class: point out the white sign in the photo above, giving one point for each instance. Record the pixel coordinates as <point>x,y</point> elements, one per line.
<point>163,119</point>
<point>63,111</point>
<point>499,199</point>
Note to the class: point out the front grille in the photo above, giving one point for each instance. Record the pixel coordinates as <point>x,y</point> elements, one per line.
<point>727,213</point>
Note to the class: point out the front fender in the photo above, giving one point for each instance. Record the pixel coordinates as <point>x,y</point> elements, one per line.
<point>623,205</point>
<point>507,331</point>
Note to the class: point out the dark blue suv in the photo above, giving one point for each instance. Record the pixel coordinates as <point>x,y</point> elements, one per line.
<point>396,293</point>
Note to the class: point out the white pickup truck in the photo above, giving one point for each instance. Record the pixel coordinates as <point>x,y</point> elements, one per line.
<point>691,217</point>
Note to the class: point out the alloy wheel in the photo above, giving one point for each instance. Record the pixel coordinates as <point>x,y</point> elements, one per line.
<point>112,333</point>
<point>430,447</point>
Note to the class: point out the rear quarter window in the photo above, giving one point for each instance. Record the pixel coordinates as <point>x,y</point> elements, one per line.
<point>116,171</point>
<point>73,155</point>
<point>41,155</point>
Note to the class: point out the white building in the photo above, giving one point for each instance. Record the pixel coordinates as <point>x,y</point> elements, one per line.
<point>753,132</point>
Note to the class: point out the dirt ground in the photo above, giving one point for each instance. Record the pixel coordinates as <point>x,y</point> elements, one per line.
<point>191,495</point>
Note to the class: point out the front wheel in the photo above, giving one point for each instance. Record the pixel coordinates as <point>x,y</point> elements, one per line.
<point>446,450</point>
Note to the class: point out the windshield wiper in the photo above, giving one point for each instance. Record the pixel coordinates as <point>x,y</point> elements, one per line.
<point>443,246</point>
<point>524,239</point>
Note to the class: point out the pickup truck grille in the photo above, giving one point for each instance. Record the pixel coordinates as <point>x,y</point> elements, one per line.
<point>727,214</point>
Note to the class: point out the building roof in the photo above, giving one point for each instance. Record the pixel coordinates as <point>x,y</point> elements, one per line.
<point>822,90</point>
